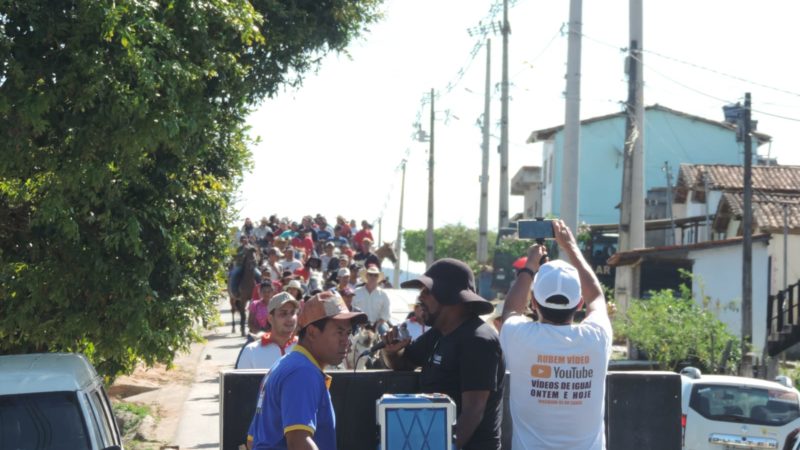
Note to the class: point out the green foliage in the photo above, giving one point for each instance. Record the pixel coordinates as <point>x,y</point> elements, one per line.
<point>519,247</point>
<point>136,409</point>
<point>674,330</point>
<point>450,241</point>
<point>123,139</point>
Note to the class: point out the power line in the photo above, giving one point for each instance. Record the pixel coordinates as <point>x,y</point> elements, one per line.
<point>708,69</point>
<point>705,94</point>
<point>719,72</point>
<point>482,30</point>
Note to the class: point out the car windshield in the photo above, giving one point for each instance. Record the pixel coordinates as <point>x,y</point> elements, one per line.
<point>46,421</point>
<point>746,404</point>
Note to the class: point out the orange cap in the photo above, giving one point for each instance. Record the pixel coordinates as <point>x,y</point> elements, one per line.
<point>325,305</point>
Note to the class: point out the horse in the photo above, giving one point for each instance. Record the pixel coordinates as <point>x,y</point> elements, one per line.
<point>360,342</point>
<point>239,294</point>
<point>386,251</point>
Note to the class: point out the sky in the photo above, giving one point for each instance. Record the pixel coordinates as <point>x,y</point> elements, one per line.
<point>335,144</point>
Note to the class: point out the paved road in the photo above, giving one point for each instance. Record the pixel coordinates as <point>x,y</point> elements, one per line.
<point>198,427</point>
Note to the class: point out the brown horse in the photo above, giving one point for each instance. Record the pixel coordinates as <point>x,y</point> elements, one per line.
<point>386,251</point>
<point>241,293</point>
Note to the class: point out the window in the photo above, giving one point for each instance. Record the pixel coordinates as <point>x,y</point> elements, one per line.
<point>46,421</point>
<point>745,404</point>
<point>102,419</point>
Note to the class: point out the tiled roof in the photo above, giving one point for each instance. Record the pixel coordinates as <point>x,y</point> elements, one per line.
<point>726,177</point>
<point>767,210</point>
<point>547,133</point>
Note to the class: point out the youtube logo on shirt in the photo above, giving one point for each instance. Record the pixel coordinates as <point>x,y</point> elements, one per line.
<point>541,371</point>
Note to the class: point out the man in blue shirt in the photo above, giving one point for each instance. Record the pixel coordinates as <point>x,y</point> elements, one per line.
<point>294,409</point>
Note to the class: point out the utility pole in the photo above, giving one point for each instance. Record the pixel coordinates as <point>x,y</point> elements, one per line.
<point>399,239</point>
<point>429,235</point>
<point>668,170</point>
<point>483,227</point>
<point>503,222</point>
<point>572,125</point>
<point>747,244</point>
<point>380,229</point>
<point>637,150</point>
<point>708,206</point>
<point>631,222</point>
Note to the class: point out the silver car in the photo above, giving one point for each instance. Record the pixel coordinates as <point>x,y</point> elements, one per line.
<point>726,412</point>
<point>54,401</point>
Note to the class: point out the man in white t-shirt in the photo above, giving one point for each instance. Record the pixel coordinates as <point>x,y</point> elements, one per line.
<point>372,300</point>
<point>558,367</point>
<point>270,347</point>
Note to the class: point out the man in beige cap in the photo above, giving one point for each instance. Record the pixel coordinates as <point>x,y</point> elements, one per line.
<point>294,408</point>
<point>265,351</point>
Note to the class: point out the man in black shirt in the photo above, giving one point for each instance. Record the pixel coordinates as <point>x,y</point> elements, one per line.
<point>365,257</point>
<point>460,355</point>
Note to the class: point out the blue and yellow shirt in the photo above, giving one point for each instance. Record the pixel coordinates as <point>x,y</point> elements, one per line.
<point>294,396</point>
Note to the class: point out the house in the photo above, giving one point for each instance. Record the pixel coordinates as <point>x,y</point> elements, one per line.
<point>527,182</point>
<point>717,191</point>
<point>716,267</point>
<point>671,137</point>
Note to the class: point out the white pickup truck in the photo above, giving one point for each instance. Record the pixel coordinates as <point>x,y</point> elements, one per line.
<point>52,401</point>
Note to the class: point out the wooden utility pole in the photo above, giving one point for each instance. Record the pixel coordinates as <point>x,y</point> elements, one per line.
<point>483,227</point>
<point>747,245</point>
<point>429,235</point>
<point>503,219</point>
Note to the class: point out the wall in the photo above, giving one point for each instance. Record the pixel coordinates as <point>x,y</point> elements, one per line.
<point>548,163</point>
<point>668,137</point>
<point>719,272</point>
<point>776,253</point>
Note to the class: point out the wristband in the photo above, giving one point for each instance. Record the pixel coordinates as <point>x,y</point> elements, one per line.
<point>526,270</point>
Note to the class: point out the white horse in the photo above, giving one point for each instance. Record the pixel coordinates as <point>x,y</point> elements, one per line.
<point>361,342</point>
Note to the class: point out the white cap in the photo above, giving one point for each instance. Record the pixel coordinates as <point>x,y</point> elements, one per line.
<point>557,278</point>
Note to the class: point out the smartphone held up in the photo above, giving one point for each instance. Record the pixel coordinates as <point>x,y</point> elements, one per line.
<point>539,229</point>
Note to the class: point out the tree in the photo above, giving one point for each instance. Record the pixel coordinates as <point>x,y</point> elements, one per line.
<point>123,139</point>
<point>676,330</point>
<point>450,241</point>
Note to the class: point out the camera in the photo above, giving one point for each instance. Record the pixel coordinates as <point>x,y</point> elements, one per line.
<point>538,229</point>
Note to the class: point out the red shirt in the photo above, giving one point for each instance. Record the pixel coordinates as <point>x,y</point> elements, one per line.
<point>307,244</point>
<point>345,230</point>
<point>303,272</point>
<point>365,233</point>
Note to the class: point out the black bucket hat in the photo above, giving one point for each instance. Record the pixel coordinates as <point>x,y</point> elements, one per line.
<point>451,282</point>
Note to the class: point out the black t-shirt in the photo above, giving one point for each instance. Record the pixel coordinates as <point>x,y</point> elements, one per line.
<point>468,359</point>
<point>368,258</point>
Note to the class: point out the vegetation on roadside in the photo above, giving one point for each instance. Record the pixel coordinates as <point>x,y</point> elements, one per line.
<point>133,413</point>
<point>123,134</point>
<point>450,241</point>
<point>675,330</point>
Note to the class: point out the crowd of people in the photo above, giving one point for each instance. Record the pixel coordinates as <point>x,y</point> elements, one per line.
<point>297,260</point>
<point>558,366</point>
